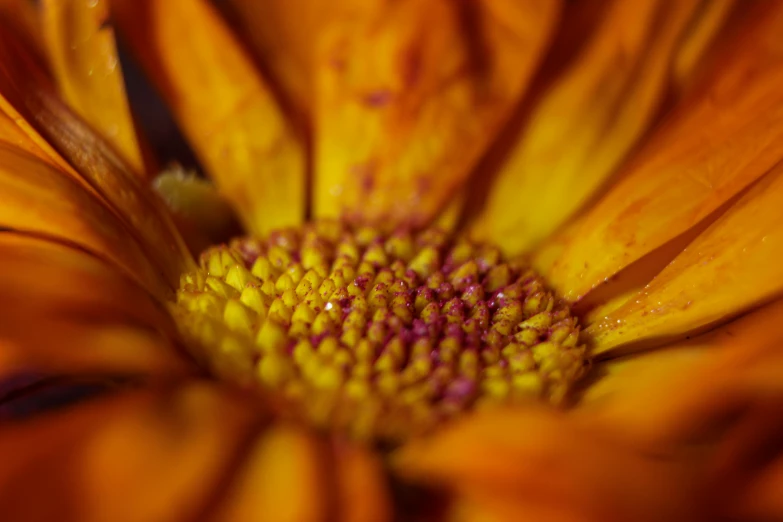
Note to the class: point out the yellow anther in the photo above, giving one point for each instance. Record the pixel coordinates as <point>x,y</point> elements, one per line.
<point>376,334</point>
<point>497,277</point>
<point>238,277</point>
<point>237,317</point>
<point>271,337</point>
<point>253,299</point>
<point>296,272</point>
<point>275,370</point>
<point>426,262</point>
<point>283,283</point>
<point>220,288</point>
<point>279,257</point>
<point>280,312</point>
<point>303,351</point>
<point>303,313</point>
<point>263,269</point>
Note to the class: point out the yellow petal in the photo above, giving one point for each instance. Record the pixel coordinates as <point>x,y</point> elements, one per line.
<point>65,310</point>
<point>224,106</point>
<point>27,98</point>
<point>716,143</point>
<point>283,479</point>
<point>587,120</point>
<point>36,198</point>
<point>729,268</point>
<point>410,94</point>
<point>143,455</point>
<point>83,53</point>
<point>547,463</point>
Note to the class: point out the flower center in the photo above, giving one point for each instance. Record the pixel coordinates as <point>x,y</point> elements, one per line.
<point>382,335</point>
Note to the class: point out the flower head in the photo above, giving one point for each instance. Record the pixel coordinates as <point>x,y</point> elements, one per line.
<point>506,260</point>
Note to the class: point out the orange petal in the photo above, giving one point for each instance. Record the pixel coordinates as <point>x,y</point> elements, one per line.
<point>83,53</point>
<point>27,98</point>
<point>729,268</point>
<point>36,198</point>
<point>720,140</point>
<point>542,462</point>
<point>411,93</point>
<point>363,493</point>
<point>143,455</point>
<point>587,120</point>
<point>284,35</point>
<point>224,106</point>
<point>65,310</point>
<point>705,371</point>
<point>283,479</point>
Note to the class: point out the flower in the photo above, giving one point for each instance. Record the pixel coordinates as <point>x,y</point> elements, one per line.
<point>631,151</point>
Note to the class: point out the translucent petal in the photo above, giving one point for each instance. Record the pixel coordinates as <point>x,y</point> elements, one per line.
<point>83,53</point>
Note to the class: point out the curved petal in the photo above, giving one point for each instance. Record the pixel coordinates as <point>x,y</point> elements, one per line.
<point>142,455</point>
<point>36,198</point>
<point>27,98</point>
<point>522,464</point>
<point>729,268</point>
<point>411,93</point>
<point>83,53</point>
<point>586,121</point>
<point>719,140</point>
<point>362,490</point>
<point>224,106</point>
<point>64,310</point>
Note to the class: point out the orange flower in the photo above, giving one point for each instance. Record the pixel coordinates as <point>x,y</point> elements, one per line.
<point>377,347</point>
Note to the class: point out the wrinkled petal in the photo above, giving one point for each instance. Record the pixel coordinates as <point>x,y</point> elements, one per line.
<point>539,462</point>
<point>719,140</point>
<point>410,94</point>
<point>732,266</point>
<point>587,120</point>
<point>64,310</point>
<point>225,108</point>
<point>83,53</point>
<point>27,98</point>
<point>141,455</point>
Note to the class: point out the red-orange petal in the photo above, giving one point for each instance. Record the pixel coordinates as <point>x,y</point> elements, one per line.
<point>410,94</point>
<point>224,106</point>
<point>143,455</point>
<point>28,99</point>
<point>64,310</point>
<point>37,198</point>
<point>720,139</point>
<point>541,462</point>
<point>83,54</point>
